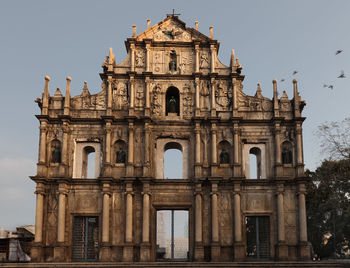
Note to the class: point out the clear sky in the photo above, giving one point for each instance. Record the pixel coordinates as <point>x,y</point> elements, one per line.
<point>61,38</point>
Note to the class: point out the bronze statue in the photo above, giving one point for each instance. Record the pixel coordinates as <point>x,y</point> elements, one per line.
<point>56,154</point>
<point>224,157</point>
<point>287,157</point>
<point>121,156</point>
<point>172,105</point>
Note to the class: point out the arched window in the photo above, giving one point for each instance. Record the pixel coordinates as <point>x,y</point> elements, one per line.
<point>56,151</point>
<point>88,167</point>
<point>120,152</point>
<point>287,155</point>
<point>173,168</point>
<point>172,101</point>
<point>255,163</point>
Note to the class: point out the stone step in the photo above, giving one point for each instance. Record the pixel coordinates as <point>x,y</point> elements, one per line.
<point>265,264</point>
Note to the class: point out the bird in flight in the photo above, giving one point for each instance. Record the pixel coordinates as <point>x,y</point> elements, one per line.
<point>338,51</point>
<point>330,86</point>
<point>282,80</point>
<point>295,72</point>
<point>324,85</point>
<point>342,75</point>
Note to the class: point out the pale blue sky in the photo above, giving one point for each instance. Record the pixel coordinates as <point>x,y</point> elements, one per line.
<point>61,38</point>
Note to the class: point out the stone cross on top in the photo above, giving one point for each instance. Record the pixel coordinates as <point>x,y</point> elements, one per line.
<point>173,14</point>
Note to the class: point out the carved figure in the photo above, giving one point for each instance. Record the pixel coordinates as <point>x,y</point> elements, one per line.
<point>156,103</point>
<point>204,62</point>
<point>287,156</point>
<point>172,33</point>
<point>121,156</point>
<point>139,97</point>
<point>122,101</point>
<point>173,61</point>
<point>224,157</point>
<point>56,154</point>
<point>172,105</point>
<point>223,96</point>
<point>205,96</point>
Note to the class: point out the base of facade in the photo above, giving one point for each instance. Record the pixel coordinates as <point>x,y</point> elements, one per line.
<point>36,253</point>
<point>282,252</point>
<point>199,253</point>
<point>145,252</point>
<point>304,251</point>
<point>128,253</point>
<point>215,252</point>
<point>59,253</point>
<point>105,253</point>
<point>239,252</point>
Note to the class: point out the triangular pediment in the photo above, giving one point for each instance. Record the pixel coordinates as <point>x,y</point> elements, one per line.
<point>172,29</point>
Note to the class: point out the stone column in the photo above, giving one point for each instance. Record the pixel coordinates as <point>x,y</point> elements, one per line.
<point>299,150</point>
<point>304,248</point>
<point>215,247</point>
<point>109,95</point>
<point>128,247</point>
<point>234,94</point>
<point>67,97</point>
<point>197,58</point>
<point>213,144</point>
<point>197,81</point>
<point>105,248</point>
<point>37,248</point>
<point>213,58</point>
<point>132,95</point>
<point>146,151</point>
<point>43,132</point>
<point>130,164</point>
<point>45,97</point>
<point>59,250</point>
<point>108,142</point>
<point>278,163</point>
<point>213,105</point>
<point>148,63</point>
<point>147,108</point>
<point>65,128</point>
<point>198,166</point>
<point>145,250</point>
<point>199,248</point>
<point>282,248</point>
<point>239,250</point>
<point>132,60</point>
<point>236,146</point>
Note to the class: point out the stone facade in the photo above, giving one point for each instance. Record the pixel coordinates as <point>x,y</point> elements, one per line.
<point>129,125</point>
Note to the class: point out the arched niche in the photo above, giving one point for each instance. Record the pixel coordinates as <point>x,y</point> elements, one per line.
<point>258,151</point>
<point>81,156</point>
<point>225,154</point>
<point>120,152</point>
<point>287,153</point>
<point>172,98</point>
<point>55,151</point>
<point>166,144</point>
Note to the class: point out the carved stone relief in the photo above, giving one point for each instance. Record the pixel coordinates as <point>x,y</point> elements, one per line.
<point>185,65</point>
<point>187,101</point>
<point>120,98</point>
<point>204,60</point>
<point>156,100</point>
<point>139,96</point>
<point>172,32</point>
<point>139,58</point>
<point>205,93</point>
<point>223,96</point>
<point>157,61</point>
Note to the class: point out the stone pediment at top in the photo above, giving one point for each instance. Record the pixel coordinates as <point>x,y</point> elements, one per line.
<point>172,29</point>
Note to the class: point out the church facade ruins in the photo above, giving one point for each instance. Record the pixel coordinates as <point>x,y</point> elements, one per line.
<point>100,174</point>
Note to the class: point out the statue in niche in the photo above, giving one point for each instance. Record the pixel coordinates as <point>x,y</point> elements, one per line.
<point>56,154</point>
<point>172,105</point>
<point>205,96</point>
<point>287,156</point>
<point>121,156</point>
<point>224,157</point>
<point>173,61</point>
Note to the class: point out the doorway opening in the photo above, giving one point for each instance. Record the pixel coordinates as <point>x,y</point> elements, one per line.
<point>258,237</point>
<point>172,235</point>
<point>85,238</point>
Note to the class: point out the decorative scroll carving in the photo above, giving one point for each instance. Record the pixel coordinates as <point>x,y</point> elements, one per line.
<point>187,101</point>
<point>223,95</point>
<point>88,101</point>
<point>185,63</point>
<point>139,58</point>
<point>157,62</point>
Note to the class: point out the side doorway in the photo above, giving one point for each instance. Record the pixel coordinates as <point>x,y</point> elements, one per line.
<point>258,237</point>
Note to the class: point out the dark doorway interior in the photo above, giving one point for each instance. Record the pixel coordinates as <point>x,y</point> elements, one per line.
<point>85,238</point>
<point>172,235</point>
<point>258,237</point>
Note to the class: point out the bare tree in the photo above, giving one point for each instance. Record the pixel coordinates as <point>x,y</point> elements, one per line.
<point>335,139</point>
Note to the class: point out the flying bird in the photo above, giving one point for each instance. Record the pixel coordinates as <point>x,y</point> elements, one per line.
<point>330,86</point>
<point>342,75</point>
<point>324,85</point>
<point>338,51</point>
<point>282,80</point>
<point>295,72</point>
